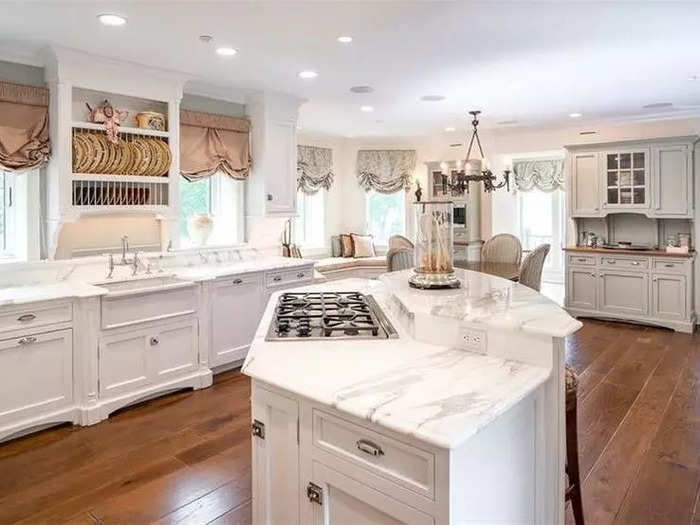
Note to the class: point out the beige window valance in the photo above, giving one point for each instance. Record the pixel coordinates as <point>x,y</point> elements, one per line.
<point>314,169</point>
<point>385,171</point>
<point>544,174</point>
<point>24,127</point>
<point>211,143</point>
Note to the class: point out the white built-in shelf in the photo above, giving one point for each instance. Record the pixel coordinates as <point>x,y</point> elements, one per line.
<point>119,178</point>
<point>122,129</point>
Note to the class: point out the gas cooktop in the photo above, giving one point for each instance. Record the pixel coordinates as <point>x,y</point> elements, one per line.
<point>328,315</point>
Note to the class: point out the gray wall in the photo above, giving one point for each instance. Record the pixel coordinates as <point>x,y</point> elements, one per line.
<point>210,105</point>
<point>21,74</point>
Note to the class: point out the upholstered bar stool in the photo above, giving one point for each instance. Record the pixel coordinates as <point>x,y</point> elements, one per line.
<point>573,490</point>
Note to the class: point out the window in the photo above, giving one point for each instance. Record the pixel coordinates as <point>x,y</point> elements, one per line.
<point>386,216</point>
<point>309,225</point>
<point>219,196</point>
<point>542,221</point>
<point>7,215</point>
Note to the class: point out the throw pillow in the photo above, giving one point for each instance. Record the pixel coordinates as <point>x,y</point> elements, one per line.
<point>336,246</point>
<point>347,247</point>
<point>364,247</point>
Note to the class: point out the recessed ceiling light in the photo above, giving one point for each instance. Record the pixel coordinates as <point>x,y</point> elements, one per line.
<point>449,128</point>
<point>226,51</point>
<point>575,115</point>
<point>367,109</point>
<point>507,122</point>
<point>432,98</point>
<point>658,105</point>
<point>361,89</point>
<point>110,19</point>
<point>205,39</point>
<point>308,74</point>
<point>344,39</point>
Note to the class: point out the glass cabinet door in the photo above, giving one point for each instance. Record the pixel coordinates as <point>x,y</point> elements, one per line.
<point>626,178</point>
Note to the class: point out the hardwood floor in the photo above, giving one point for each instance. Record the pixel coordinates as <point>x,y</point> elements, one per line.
<point>185,458</point>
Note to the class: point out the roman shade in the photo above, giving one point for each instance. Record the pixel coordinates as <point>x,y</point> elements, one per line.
<point>543,174</point>
<point>24,127</point>
<point>314,169</point>
<point>211,143</point>
<point>385,171</point>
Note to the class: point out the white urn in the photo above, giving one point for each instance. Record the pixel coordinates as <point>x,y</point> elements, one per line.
<point>199,228</point>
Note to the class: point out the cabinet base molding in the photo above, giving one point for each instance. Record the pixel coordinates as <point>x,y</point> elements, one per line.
<point>687,327</point>
<point>37,423</point>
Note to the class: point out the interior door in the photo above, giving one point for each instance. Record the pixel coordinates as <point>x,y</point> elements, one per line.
<point>337,499</point>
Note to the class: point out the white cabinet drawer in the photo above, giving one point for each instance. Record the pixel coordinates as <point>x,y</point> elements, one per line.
<point>625,263</point>
<point>288,277</point>
<point>403,464</point>
<point>37,374</point>
<point>127,310</point>
<point>670,265</point>
<point>30,316</point>
<point>582,260</point>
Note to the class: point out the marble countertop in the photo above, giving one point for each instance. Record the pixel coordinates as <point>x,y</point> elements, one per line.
<point>485,301</point>
<point>11,295</point>
<point>437,394</point>
<point>71,286</point>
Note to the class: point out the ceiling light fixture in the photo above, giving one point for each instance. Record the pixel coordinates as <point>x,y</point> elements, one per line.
<point>308,74</point>
<point>432,98</point>
<point>110,19</point>
<point>449,128</point>
<point>367,109</point>
<point>474,170</point>
<point>575,115</point>
<point>205,39</point>
<point>226,51</point>
<point>344,39</point>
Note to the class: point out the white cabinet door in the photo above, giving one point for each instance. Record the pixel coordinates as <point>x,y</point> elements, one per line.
<point>280,168</point>
<point>581,289</point>
<point>337,499</point>
<point>123,365</point>
<point>275,459</point>
<point>623,292</point>
<point>672,181</point>
<point>585,195</point>
<point>173,350</point>
<point>36,374</point>
<point>626,179</point>
<point>236,307</point>
<point>669,297</point>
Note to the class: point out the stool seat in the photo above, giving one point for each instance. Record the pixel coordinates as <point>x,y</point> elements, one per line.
<point>573,491</point>
<point>570,384</point>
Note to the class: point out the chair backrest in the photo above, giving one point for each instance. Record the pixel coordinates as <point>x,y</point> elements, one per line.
<point>504,247</point>
<point>531,270</point>
<point>397,242</point>
<point>399,259</point>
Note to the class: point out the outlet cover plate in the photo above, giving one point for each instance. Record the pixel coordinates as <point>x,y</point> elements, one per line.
<point>472,339</point>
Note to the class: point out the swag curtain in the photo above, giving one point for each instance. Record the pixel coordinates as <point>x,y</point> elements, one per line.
<point>385,171</point>
<point>211,143</point>
<point>545,175</point>
<point>24,127</point>
<point>314,169</point>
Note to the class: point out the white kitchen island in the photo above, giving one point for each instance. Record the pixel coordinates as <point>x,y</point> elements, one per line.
<point>458,420</point>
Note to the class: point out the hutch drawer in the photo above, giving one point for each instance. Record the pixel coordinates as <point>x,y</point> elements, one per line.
<point>627,263</point>
<point>670,265</point>
<point>582,260</point>
<point>31,316</point>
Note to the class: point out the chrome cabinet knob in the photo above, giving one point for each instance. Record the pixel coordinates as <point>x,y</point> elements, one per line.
<point>154,341</point>
<point>237,281</point>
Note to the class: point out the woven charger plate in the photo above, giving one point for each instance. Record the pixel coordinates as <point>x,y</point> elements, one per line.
<point>153,157</point>
<point>167,158</point>
<point>159,152</point>
<point>145,156</point>
<point>135,158</point>
<point>83,153</point>
<point>123,157</point>
<point>78,153</point>
<point>107,155</point>
<point>100,152</point>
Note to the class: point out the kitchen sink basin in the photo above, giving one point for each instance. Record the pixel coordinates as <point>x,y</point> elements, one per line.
<point>151,284</point>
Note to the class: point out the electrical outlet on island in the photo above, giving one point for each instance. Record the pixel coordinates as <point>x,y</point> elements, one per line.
<point>472,339</point>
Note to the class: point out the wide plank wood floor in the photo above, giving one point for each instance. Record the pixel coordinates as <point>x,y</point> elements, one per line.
<point>185,458</point>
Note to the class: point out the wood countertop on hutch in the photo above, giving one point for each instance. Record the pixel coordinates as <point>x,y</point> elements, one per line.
<point>623,251</point>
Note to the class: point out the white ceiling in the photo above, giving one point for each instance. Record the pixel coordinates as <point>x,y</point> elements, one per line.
<point>525,61</point>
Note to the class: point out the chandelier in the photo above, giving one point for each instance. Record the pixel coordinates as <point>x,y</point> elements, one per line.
<point>459,181</point>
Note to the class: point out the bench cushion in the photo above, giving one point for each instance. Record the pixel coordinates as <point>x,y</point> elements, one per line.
<point>330,264</point>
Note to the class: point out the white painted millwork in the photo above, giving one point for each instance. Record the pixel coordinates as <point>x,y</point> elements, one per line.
<point>583,181</point>
<point>73,351</point>
<point>415,430</point>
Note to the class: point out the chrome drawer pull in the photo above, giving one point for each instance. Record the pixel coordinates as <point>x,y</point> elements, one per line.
<point>26,318</point>
<point>237,281</point>
<point>669,265</point>
<point>300,275</point>
<point>370,448</point>
<point>27,340</point>
<point>581,259</point>
<point>277,278</point>
<point>635,263</point>
<point>610,262</point>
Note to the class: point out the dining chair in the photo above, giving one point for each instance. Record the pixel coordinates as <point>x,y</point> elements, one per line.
<point>531,269</point>
<point>502,248</point>
<point>398,259</point>
<point>399,241</point>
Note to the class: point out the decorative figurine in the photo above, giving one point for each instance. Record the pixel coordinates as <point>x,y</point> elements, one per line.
<point>419,192</point>
<point>110,117</point>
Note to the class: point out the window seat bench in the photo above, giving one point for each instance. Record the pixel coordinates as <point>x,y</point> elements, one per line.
<point>334,268</point>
